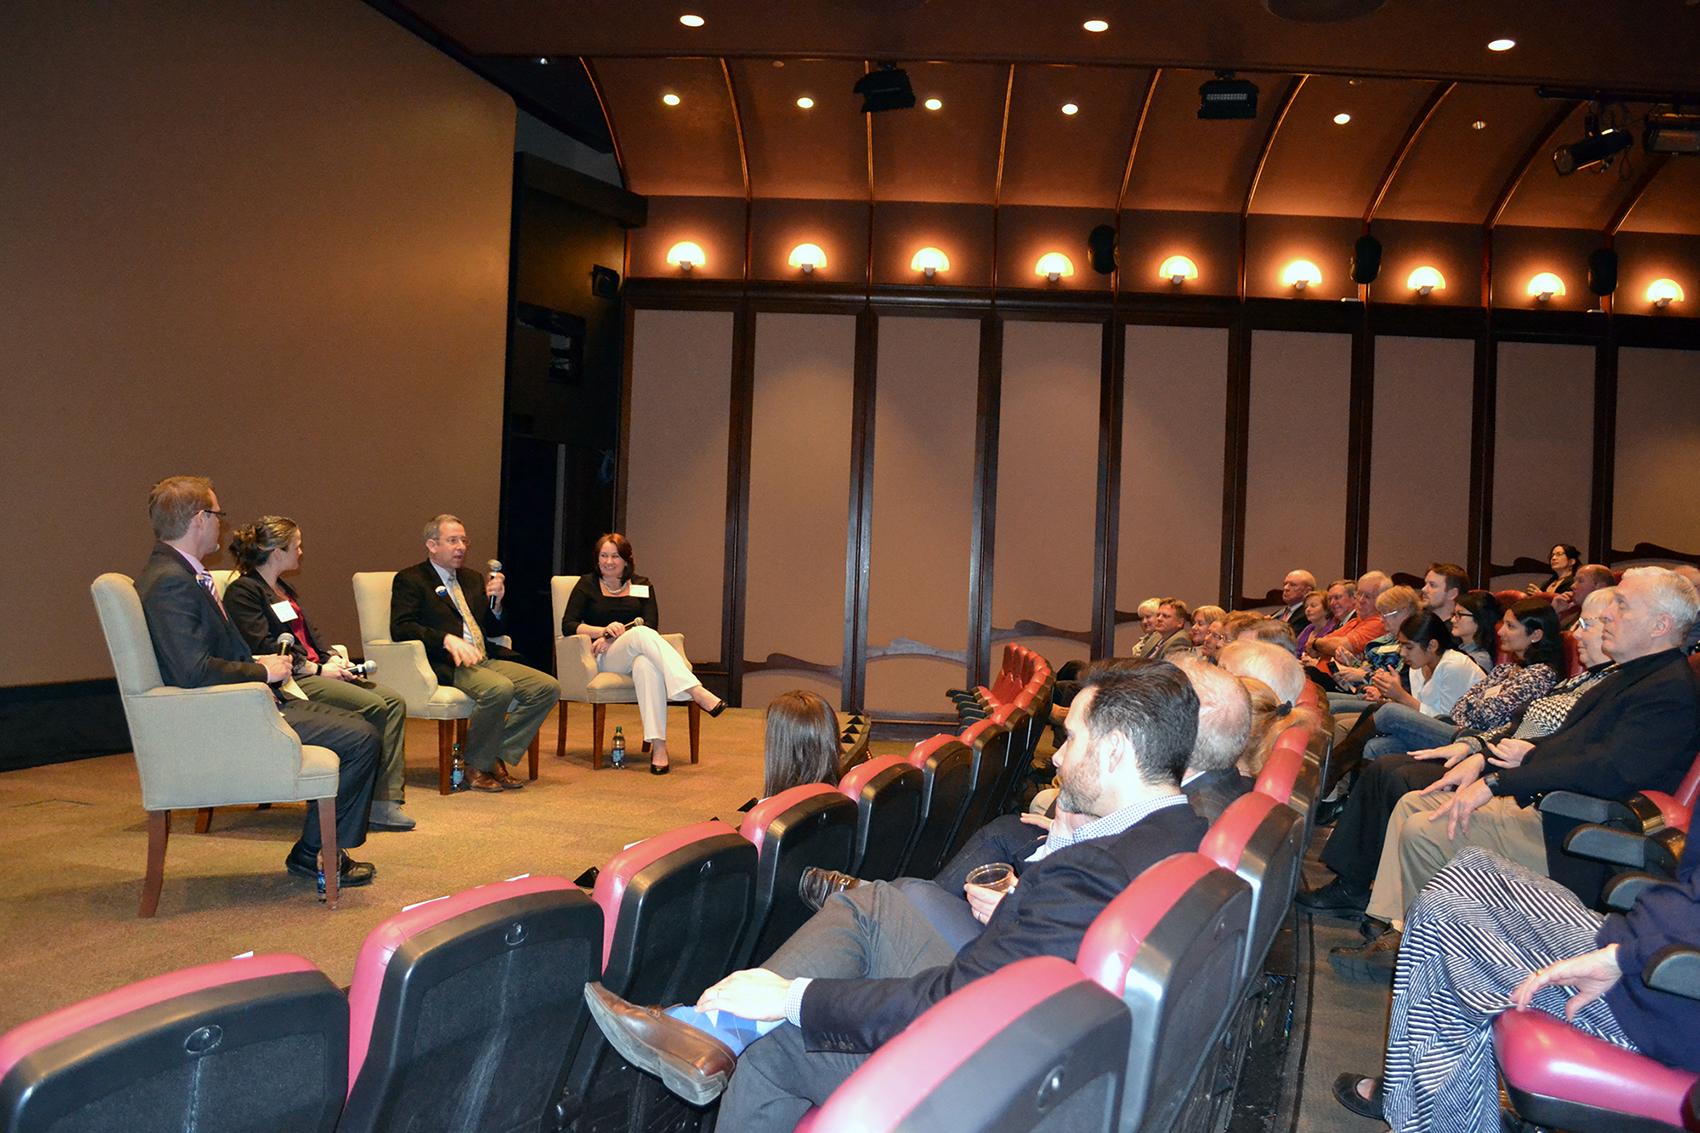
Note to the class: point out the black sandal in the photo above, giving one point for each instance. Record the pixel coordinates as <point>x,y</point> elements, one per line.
<point>1346,1093</point>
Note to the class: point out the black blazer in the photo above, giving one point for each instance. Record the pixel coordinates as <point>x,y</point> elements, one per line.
<point>1046,915</point>
<point>418,613</point>
<point>1215,791</point>
<point>195,644</point>
<point>248,601</point>
<point>588,604</point>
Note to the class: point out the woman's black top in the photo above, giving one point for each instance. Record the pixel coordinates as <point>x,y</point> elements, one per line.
<point>248,601</point>
<point>588,605</point>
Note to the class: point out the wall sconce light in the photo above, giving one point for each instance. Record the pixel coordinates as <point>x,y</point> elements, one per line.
<point>1301,274</point>
<point>1053,266</point>
<point>686,255</point>
<point>808,257</point>
<point>1425,279</point>
<point>1178,270</point>
<point>929,262</point>
<point>1663,292</point>
<point>1545,285</point>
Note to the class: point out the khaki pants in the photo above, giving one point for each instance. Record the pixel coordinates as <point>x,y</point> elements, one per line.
<point>384,710</point>
<point>1417,849</point>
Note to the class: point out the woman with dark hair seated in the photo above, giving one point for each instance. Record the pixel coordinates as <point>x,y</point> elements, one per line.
<point>802,742</point>
<point>1564,559</point>
<point>263,606</point>
<point>1319,619</point>
<point>1474,623</point>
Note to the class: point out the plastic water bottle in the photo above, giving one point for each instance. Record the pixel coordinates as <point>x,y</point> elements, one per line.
<point>617,757</point>
<point>457,774</point>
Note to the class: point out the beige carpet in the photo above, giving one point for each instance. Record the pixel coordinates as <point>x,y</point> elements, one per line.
<point>78,841</point>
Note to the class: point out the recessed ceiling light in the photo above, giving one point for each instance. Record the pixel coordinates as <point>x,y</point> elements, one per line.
<point>1501,44</point>
<point>933,104</point>
<point>670,99</point>
<point>806,103</point>
<point>1096,26</point>
<point>1070,109</point>
<point>691,20</point>
<point>1342,118</point>
<point>544,59</point>
<point>1478,124</point>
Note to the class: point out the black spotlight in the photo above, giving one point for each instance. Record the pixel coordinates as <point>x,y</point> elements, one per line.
<point>1602,271</point>
<point>1366,259</point>
<point>1597,149</point>
<point>885,89</point>
<point>1101,249</point>
<point>1226,97</point>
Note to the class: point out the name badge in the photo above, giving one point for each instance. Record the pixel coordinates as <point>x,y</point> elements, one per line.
<point>640,590</point>
<point>283,611</point>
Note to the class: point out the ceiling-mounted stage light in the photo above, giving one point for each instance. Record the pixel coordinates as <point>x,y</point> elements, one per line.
<point>1227,98</point>
<point>885,89</point>
<point>1599,148</point>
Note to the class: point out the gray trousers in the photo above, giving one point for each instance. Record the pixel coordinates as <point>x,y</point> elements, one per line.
<point>496,730</point>
<point>870,932</point>
<point>384,710</point>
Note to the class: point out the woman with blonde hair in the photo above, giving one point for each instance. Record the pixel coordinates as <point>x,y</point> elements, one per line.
<point>1270,716</point>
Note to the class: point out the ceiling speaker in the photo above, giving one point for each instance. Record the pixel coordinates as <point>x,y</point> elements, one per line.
<point>1101,249</point>
<point>1366,259</point>
<point>1602,271</point>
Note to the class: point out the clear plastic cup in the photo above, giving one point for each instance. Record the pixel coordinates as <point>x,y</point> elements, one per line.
<point>998,876</point>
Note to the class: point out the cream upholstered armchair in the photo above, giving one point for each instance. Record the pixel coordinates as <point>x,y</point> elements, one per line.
<point>575,669</point>
<point>402,666</point>
<point>223,745</point>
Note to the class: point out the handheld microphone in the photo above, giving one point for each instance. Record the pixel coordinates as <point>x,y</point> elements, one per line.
<point>364,669</point>
<point>493,566</point>
<point>285,641</point>
<point>633,624</point>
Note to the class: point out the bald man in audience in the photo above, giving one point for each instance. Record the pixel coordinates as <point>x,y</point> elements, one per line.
<point>1295,588</point>
<point>1271,664</point>
<point>1362,629</point>
<point>1589,578</point>
<point>1212,780</point>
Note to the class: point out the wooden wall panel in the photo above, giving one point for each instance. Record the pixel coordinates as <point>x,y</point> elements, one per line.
<point>1542,454</point>
<point>1658,450</point>
<point>1296,457</point>
<point>676,468</point>
<point>923,486</point>
<point>1175,382</point>
<point>1420,452</point>
<point>1047,483</point>
<point>799,501</point>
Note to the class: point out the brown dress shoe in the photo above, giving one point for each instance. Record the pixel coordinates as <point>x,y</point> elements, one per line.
<point>1368,963</point>
<point>505,777</point>
<point>482,781</point>
<point>815,885</point>
<point>692,1063</point>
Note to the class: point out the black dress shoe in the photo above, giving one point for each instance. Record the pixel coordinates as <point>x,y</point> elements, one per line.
<point>690,1062</point>
<point>660,768</point>
<point>351,874</point>
<point>1346,1093</point>
<point>1336,899</point>
<point>719,707</point>
<point>815,885</point>
<point>1329,810</point>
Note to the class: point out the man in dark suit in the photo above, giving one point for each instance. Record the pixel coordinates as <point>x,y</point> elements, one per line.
<point>197,645</point>
<point>455,612</point>
<point>1294,589</point>
<point>868,964</point>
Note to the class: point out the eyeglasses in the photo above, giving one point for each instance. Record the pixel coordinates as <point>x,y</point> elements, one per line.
<point>212,512</point>
<point>1587,623</point>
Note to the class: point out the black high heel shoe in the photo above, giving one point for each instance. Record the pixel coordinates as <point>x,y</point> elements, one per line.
<point>660,769</point>
<point>717,709</point>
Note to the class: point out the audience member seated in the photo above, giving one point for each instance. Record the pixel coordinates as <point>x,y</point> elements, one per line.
<point>196,646</point>
<point>616,610</point>
<point>1170,621</point>
<point>263,606</point>
<point>868,963</point>
<point>1247,626</point>
<point>1589,578</point>
<point>1475,625</point>
<point>455,611</point>
<point>1356,632</point>
<point>1149,640</point>
<point>802,742</point>
<point>1270,716</point>
<point>1199,630</point>
<point>1352,671</point>
<point>1387,797</point>
<point>1319,619</point>
<point>1564,559</point>
<point>1271,664</point>
<point>1215,638</point>
<point>1442,586</point>
<point>1213,780</point>
<point>1691,572</point>
<point>1488,934</point>
<point>1295,588</point>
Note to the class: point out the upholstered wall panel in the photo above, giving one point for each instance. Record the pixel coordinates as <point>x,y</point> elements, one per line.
<point>1296,457</point>
<point>1419,507</point>
<point>1658,450</point>
<point>1047,483</point>
<point>1542,453</point>
<point>799,503</point>
<point>927,380</point>
<point>1175,388</point>
<point>681,384</point>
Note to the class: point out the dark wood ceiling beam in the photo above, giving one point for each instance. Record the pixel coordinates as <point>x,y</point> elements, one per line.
<point>1276,119</point>
<point>1656,163</point>
<point>1425,115</point>
<point>602,104</point>
<point>868,135</point>
<point>1541,146</point>
<point>1127,170</point>
<point>997,181</point>
<point>743,168</point>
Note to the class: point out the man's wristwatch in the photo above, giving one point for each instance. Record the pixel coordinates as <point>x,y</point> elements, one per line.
<point>1491,782</point>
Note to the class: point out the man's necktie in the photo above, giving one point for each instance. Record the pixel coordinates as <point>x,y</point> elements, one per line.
<point>207,584</point>
<point>474,635</point>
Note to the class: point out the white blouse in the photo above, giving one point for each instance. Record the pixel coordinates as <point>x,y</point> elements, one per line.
<point>1452,676</point>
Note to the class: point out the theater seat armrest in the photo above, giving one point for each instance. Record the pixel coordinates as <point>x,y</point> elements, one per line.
<point>1676,969</point>
<point>1587,808</point>
<point>402,666</point>
<point>1620,848</point>
<point>1623,890</point>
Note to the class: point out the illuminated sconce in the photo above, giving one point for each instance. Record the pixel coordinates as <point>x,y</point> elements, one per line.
<point>1545,285</point>
<point>929,262</point>
<point>1426,279</point>
<point>1053,266</point>
<point>1178,270</point>
<point>686,255</point>
<point>1301,274</point>
<point>1663,292</point>
<point>808,257</point>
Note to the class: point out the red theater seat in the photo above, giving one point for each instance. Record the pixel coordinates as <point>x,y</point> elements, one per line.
<point>811,825</point>
<point>993,744</point>
<point>1557,1076</point>
<point>947,766</point>
<point>256,1044</point>
<point>887,794</point>
<point>449,989</point>
<point>1263,843</point>
<point>1286,761</point>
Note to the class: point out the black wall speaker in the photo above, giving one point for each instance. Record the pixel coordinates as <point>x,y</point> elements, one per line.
<point>1602,271</point>
<point>1101,249</point>
<point>604,282</point>
<point>1366,259</point>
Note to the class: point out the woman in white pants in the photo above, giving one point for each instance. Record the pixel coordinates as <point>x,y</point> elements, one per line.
<point>616,609</point>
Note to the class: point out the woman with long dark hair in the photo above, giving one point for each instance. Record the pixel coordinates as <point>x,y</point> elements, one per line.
<point>1475,623</point>
<point>802,742</point>
<point>1563,559</point>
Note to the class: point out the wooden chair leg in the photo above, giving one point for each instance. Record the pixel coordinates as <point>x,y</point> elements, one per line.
<point>159,832</point>
<point>445,754</point>
<point>598,717</point>
<point>695,717</point>
<point>327,850</point>
<point>561,732</point>
<point>203,820</point>
<point>533,751</point>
